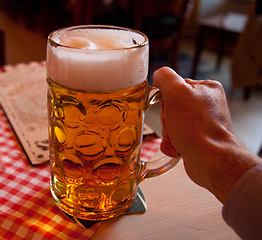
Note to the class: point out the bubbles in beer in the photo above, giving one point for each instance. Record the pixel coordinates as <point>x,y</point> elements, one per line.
<point>122,192</point>
<point>95,148</point>
<point>58,136</point>
<point>107,173</point>
<point>72,166</point>
<point>133,165</point>
<point>70,111</point>
<point>125,140</point>
<point>89,145</point>
<point>112,113</point>
<point>59,185</point>
<point>88,196</point>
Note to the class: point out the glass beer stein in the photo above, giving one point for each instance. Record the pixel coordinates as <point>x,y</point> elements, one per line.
<point>97,98</point>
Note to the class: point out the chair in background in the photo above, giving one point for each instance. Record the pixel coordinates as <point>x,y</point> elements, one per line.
<point>2,47</point>
<point>247,62</point>
<point>221,29</point>
<point>164,23</point>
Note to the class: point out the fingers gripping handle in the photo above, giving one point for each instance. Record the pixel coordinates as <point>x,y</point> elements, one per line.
<point>160,163</point>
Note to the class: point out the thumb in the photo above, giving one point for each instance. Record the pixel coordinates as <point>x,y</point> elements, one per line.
<point>165,78</point>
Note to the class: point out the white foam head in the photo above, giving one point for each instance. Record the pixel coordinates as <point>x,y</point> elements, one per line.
<point>100,58</point>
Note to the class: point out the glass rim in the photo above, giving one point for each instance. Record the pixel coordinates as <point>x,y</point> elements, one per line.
<point>56,44</point>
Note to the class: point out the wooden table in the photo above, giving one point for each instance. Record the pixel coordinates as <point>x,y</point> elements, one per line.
<point>177,208</point>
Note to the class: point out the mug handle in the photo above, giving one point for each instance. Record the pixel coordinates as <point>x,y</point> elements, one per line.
<point>159,163</point>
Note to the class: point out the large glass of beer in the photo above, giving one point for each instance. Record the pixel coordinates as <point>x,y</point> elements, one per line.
<point>97,97</point>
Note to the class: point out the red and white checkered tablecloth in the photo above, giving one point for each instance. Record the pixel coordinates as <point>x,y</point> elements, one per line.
<point>27,210</point>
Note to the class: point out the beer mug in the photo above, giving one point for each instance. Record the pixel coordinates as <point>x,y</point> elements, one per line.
<point>97,97</point>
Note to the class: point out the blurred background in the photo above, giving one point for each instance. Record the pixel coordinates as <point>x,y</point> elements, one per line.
<point>200,39</point>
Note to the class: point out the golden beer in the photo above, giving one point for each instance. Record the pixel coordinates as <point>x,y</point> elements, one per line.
<point>95,148</point>
<point>97,97</point>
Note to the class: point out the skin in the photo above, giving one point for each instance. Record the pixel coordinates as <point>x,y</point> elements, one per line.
<point>196,124</point>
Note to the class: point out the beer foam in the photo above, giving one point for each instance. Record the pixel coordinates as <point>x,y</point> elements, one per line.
<point>97,59</point>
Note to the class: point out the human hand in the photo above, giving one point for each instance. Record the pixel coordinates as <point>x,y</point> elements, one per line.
<point>197,125</point>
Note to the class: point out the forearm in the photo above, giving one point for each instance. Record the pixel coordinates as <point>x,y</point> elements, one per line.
<point>242,209</point>
<point>231,160</point>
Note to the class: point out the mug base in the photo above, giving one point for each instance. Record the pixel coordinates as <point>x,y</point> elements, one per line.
<point>89,214</point>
